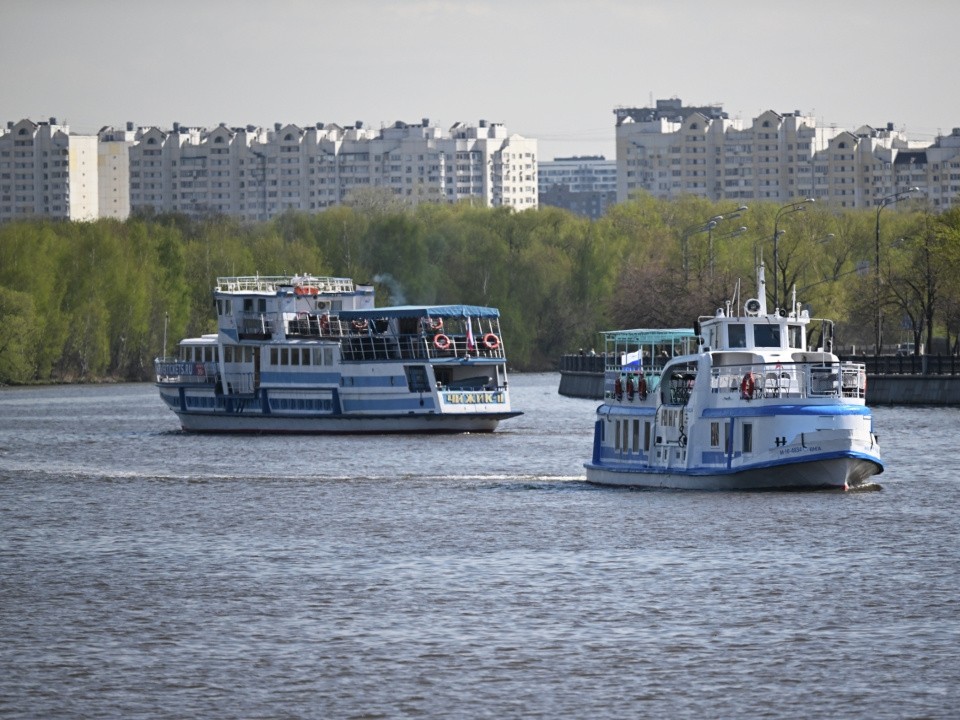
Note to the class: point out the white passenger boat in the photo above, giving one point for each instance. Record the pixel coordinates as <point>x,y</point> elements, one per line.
<point>742,401</point>
<point>307,354</point>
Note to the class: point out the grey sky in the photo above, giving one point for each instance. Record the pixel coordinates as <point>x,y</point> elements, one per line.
<point>553,70</point>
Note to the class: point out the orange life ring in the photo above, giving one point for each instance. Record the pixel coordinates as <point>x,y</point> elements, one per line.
<point>747,386</point>
<point>642,388</point>
<point>360,325</point>
<point>324,322</point>
<point>491,341</point>
<point>629,387</point>
<point>441,342</point>
<point>618,389</point>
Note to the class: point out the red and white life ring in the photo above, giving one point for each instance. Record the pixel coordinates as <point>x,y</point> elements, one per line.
<point>747,386</point>
<point>441,342</point>
<point>491,341</point>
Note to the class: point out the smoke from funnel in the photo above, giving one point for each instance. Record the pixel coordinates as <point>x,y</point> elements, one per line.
<point>397,296</point>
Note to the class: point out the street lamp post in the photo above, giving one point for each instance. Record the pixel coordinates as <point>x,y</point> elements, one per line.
<point>888,200</point>
<point>708,227</point>
<point>733,233</point>
<point>785,210</point>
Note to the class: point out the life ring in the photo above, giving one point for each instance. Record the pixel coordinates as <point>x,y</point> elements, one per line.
<point>642,388</point>
<point>491,341</point>
<point>441,342</point>
<point>618,389</point>
<point>360,325</point>
<point>324,322</point>
<point>747,386</point>
<point>630,387</point>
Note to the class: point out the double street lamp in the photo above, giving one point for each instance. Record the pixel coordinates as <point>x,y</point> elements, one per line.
<point>888,200</point>
<point>777,232</point>
<point>708,227</point>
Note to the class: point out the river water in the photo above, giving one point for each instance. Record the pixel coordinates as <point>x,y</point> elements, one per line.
<point>147,573</point>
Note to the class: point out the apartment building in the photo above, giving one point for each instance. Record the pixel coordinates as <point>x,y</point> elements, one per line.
<point>672,149</point>
<point>585,185</point>
<point>45,171</point>
<point>113,171</point>
<point>256,174</point>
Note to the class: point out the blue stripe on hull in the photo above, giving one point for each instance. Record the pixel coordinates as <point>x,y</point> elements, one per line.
<point>771,410</point>
<point>703,470</point>
<point>840,470</point>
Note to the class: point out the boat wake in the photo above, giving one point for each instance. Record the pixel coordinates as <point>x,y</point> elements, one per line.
<point>865,487</point>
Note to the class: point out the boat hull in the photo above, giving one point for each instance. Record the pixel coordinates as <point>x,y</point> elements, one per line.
<point>828,473</point>
<point>332,425</point>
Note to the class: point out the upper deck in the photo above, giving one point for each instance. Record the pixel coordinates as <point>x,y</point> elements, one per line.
<point>272,284</point>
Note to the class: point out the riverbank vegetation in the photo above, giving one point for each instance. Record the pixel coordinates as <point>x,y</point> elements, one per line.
<point>90,301</point>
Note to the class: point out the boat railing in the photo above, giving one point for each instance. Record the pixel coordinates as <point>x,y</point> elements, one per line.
<point>302,284</point>
<point>255,325</point>
<point>365,346</point>
<point>799,380</point>
<point>238,383</point>
<point>370,340</point>
<point>747,382</point>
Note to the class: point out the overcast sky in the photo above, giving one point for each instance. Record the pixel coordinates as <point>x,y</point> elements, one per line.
<point>552,70</point>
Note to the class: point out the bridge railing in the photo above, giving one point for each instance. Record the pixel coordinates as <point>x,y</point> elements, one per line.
<point>875,364</point>
<point>909,364</point>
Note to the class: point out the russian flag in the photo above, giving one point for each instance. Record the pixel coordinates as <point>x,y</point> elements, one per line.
<point>471,344</point>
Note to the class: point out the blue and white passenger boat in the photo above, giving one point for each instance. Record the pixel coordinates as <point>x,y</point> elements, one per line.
<point>742,401</point>
<point>306,354</point>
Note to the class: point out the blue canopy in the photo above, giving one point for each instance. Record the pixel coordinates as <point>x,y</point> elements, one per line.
<point>417,311</point>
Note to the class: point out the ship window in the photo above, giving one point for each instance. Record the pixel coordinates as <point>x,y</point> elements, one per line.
<point>417,378</point>
<point>328,356</point>
<point>747,437</point>
<point>317,356</point>
<point>228,354</point>
<point>737,333</point>
<point>626,437</point>
<point>766,336</point>
<point>646,436</point>
<point>795,336</point>
<point>616,435</point>
<point>274,356</point>
<point>294,356</point>
<point>714,434</point>
<point>636,435</point>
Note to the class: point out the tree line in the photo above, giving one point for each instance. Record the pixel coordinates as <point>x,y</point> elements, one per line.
<point>89,301</point>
